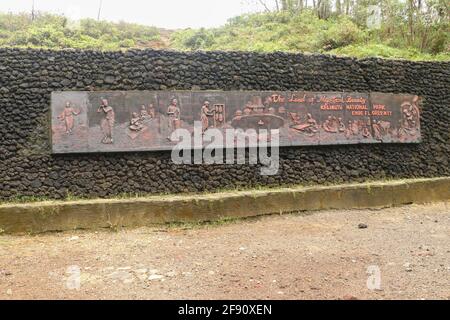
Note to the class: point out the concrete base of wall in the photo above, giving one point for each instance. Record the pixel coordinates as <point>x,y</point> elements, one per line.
<point>103,213</point>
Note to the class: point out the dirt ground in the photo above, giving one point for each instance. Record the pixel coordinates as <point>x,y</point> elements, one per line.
<point>404,253</point>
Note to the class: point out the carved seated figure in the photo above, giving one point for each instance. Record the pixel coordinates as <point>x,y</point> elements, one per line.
<point>144,113</point>
<point>309,127</point>
<point>331,125</point>
<point>295,117</point>
<point>136,122</point>
<point>366,129</point>
<point>238,114</point>
<point>313,127</point>
<point>341,125</point>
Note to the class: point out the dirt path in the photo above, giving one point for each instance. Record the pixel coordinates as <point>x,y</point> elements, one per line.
<point>322,255</point>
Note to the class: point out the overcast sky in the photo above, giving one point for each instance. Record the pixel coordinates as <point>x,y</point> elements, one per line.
<point>170,14</point>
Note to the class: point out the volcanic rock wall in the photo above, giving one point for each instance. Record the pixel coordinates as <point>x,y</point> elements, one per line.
<point>28,76</point>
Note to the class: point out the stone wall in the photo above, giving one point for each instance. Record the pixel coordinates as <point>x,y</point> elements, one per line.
<point>27,77</point>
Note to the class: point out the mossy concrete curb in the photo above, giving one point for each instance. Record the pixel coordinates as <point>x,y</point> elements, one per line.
<point>103,213</point>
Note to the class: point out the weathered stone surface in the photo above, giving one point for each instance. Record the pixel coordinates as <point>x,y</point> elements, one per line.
<point>29,76</point>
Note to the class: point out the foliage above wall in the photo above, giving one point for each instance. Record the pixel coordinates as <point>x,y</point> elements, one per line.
<point>306,32</point>
<point>413,30</point>
<point>58,32</point>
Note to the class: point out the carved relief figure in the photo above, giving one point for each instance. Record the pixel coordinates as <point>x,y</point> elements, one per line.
<point>366,129</point>
<point>410,118</point>
<point>68,117</point>
<point>136,122</point>
<point>205,114</point>
<point>219,115</point>
<point>295,118</point>
<point>309,127</point>
<point>355,127</point>
<point>173,112</point>
<point>330,125</point>
<point>107,123</point>
<point>144,113</point>
<point>256,105</point>
<point>151,111</point>
<point>237,115</point>
<point>313,127</point>
<point>380,129</point>
<point>247,108</point>
<point>268,101</point>
<point>341,125</point>
<point>349,131</point>
<point>377,130</point>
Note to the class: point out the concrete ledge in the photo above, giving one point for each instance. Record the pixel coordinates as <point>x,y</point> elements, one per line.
<point>103,213</point>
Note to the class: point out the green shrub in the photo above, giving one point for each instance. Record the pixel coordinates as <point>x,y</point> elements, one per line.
<point>340,34</point>
<point>263,32</point>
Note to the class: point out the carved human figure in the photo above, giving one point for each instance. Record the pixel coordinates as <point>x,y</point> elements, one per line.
<point>409,123</point>
<point>385,127</point>
<point>256,105</point>
<point>341,125</point>
<point>352,128</point>
<point>144,113</point>
<point>68,117</point>
<point>295,117</point>
<point>219,115</point>
<point>313,127</point>
<point>136,122</point>
<point>220,118</point>
<point>248,108</point>
<point>410,114</point>
<point>330,125</point>
<point>349,131</point>
<point>366,129</point>
<point>173,112</point>
<point>151,110</point>
<point>377,130</point>
<point>309,126</point>
<point>107,122</point>
<point>355,127</point>
<point>268,104</point>
<point>237,115</point>
<point>205,114</point>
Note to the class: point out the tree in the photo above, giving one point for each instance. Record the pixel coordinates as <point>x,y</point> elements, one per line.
<point>338,7</point>
<point>410,20</point>
<point>32,11</point>
<point>323,9</point>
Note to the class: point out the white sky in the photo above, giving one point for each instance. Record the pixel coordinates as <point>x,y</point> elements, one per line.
<point>171,14</point>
